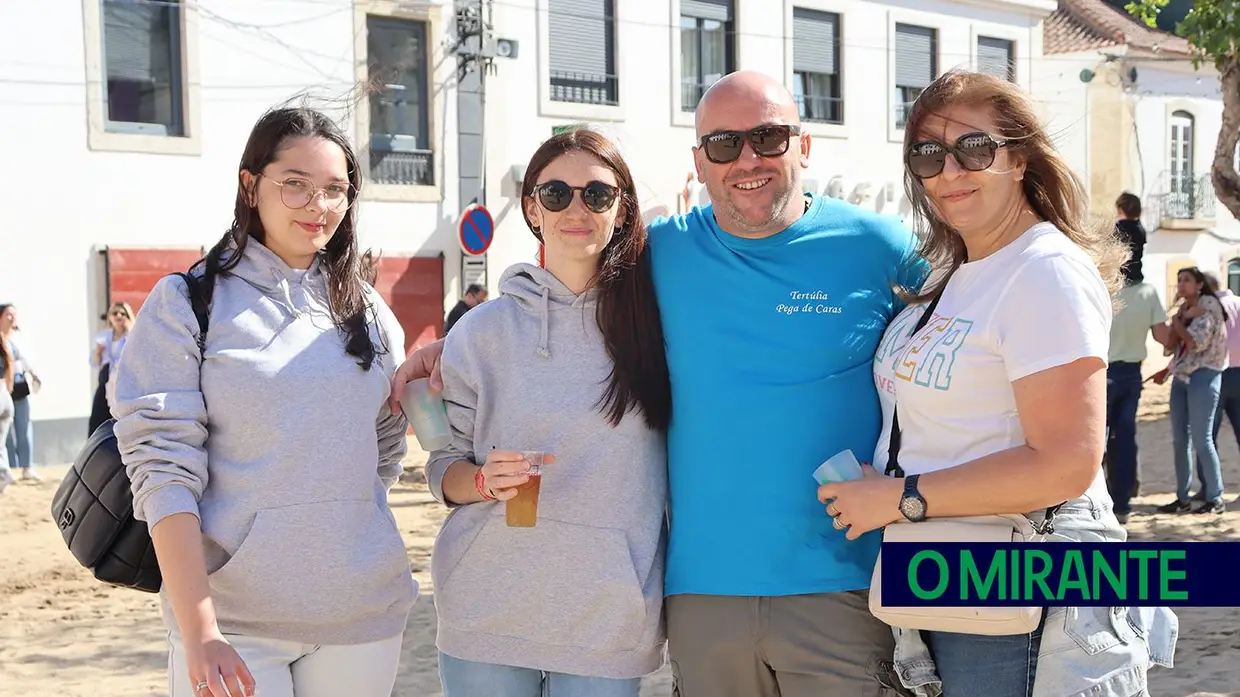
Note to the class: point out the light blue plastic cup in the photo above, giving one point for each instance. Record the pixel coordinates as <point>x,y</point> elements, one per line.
<point>842,467</point>
<point>427,415</point>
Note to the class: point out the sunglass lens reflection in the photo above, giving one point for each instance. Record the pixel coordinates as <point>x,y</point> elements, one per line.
<point>598,197</point>
<point>555,196</point>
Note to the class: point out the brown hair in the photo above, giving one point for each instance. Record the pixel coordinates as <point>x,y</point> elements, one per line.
<point>627,312</point>
<point>1050,187</point>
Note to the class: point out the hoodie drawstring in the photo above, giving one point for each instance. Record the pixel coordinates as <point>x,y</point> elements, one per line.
<point>543,337</point>
<point>288,296</point>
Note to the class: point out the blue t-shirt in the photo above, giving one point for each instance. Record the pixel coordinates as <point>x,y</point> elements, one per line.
<point>770,344</point>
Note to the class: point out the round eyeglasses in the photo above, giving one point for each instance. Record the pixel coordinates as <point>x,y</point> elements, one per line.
<point>298,192</point>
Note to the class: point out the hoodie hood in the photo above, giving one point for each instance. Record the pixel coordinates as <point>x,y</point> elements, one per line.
<point>266,271</point>
<point>538,292</point>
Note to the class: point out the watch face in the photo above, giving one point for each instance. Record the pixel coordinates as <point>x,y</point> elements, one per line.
<point>912,507</point>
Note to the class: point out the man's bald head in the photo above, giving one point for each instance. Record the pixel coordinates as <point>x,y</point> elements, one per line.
<point>751,89</point>
<point>755,181</point>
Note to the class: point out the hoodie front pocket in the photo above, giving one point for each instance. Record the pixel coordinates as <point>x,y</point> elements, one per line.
<point>558,584</point>
<point>321,563</point>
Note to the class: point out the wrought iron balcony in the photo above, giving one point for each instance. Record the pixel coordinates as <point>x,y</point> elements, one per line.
<point>1183,202</point>
<point>585,88</point>
<point>396,159</point>
<point>821,109</point>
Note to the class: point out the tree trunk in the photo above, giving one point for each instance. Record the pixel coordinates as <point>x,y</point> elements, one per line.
<point>1226,179</point>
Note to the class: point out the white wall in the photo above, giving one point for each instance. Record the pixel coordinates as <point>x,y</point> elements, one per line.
<point>1161,90</point>
<point>67,201</point>
<point>657,137</point>
<point>1064,100</point>
<point>251,55</point>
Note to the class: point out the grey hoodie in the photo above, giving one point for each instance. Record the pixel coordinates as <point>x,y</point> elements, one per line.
<point>281,445</point>
<point>582,591</point>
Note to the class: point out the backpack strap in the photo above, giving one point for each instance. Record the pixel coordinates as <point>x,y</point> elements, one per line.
<point>199,302</point>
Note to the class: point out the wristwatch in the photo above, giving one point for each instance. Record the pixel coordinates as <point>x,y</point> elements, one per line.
<point>913,505</point>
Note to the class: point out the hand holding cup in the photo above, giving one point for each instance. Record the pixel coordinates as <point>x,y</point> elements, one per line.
<point>506,470</point>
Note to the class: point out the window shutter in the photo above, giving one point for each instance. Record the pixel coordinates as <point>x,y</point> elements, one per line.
<point>814,41</point>
<point>914,56</point>
<point>136,42</point>
<point>994,57</point>
<point>720,10</point>
<point>578,37</point>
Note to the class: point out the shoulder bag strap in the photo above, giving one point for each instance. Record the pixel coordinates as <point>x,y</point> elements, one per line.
<point>199,303</point>
<point>893,443</point>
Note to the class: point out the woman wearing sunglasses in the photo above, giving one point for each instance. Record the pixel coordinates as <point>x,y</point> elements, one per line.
<point>568,361</point>
<point>107,352</point>
<point>261,454</point>
<point>1001,395</point>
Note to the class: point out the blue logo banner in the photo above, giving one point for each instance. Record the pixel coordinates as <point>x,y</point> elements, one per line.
<point>1133,574</point>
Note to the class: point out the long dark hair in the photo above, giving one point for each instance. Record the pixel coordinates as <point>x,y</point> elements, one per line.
<point>1209,285</point>
<point>627,312</point>
<point>1049,186</point>
<point>342,261</point>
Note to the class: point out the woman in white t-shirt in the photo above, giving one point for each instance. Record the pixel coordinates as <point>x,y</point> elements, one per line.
<point>103,358</point>
<point>1001,396</point>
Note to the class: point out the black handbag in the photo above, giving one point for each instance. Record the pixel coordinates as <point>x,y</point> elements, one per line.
<point>93,506</point>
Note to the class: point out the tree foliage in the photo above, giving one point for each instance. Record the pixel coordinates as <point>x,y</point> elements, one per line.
<point>1212,28</point>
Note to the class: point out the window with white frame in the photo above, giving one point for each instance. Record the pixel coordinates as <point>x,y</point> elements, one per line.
<point>917,58</point>
<point>996,57</point>
<point>582,43</point>
<point>1181,163</point>
<point>142,63</point>
<point>400,139</point>
<point>707,52</point>
<point>816,65</point>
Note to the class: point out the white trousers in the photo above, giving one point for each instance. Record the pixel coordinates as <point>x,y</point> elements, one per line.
<point>292,669</point>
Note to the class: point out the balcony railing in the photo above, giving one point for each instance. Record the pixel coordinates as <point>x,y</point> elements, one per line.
<point>396,159</point>
<point>691,93</point>
<point>1185,202</point>
<point>902,112</point>
<point>584,88</point>
<point>821,109</point>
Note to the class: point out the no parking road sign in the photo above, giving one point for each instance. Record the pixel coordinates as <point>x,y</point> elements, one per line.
<point>476,230</point>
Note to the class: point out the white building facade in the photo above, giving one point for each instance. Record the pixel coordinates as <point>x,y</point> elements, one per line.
<point>123,122</point>
<point>1133,114</point>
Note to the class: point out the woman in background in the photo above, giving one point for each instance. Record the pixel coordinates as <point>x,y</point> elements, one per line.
<point>107,351</point>
<point>1199,348</point>
<point>20,442</point>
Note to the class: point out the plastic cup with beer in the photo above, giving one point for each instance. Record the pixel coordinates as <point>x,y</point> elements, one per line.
<point>426,414</point>
<point>522,509</point>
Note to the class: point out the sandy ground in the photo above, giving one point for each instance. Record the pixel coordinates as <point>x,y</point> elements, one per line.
<point>63,634</point>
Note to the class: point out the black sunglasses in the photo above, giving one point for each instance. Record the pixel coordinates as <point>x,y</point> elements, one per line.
<point>722,147</point>
<point>974,152</point>
<point>556,195</point>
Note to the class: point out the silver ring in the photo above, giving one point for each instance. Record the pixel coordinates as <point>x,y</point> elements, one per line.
<point>838,525</point>
<point>832,510</point>
<point>202,686</point>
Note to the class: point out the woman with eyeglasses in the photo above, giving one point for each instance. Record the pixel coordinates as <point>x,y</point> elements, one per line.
<point>1001,395</point>
<point>107,352</point>
<point>261,454</point>
<point>1199,356</point>
<point>569,362</point>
